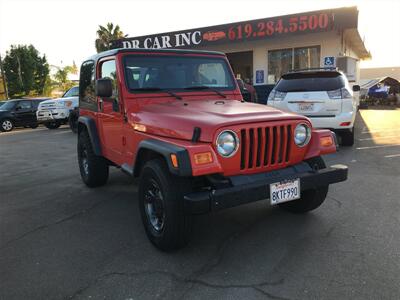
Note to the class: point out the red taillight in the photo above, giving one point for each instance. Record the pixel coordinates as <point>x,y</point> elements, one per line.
<point>345,124</point>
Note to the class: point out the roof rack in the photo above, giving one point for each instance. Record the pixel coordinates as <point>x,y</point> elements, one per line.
<point>315,69</point>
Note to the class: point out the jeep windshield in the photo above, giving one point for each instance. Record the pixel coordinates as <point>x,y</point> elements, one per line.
<point>310,82</point>
<point>178,73</point>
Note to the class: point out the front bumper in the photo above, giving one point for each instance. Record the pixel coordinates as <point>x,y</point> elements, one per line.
<point>52,115</point>
<point>244,189</point>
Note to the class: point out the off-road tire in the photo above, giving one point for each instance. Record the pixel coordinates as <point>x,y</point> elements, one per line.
<point>93,168</point>
<point>310,199</point>
<point>347,137</point>
<point>177,226</point>
<point>52,125</point>
<point>6,125</point>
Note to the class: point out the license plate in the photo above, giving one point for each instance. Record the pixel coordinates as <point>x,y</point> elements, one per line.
<point>306,106</point>
<point>284,191</point>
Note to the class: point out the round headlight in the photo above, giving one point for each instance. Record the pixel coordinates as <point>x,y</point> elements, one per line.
<point>227,143</point>
<point>302,135</point>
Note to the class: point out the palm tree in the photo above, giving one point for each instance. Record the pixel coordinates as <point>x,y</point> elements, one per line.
<point>107,34</point>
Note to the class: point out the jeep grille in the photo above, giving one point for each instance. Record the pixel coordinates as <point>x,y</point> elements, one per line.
<point>265,146</point>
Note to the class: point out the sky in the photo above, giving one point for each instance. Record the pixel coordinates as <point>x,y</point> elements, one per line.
<point>65,30</point>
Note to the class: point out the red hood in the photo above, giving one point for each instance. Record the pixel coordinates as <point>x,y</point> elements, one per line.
<point>177,119</point>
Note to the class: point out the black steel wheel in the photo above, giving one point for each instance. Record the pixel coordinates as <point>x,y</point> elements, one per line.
<point>93,168</point>
<point>161,206</point>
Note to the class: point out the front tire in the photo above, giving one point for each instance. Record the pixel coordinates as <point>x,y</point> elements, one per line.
<point>52,125</point>
<point>161,206</point>
<point>93,168</point>
<point>347,137</point>
<point>310,199</point>
<point>6,125</point>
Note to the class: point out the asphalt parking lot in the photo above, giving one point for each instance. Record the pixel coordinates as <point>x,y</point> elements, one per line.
<point>61,240</point>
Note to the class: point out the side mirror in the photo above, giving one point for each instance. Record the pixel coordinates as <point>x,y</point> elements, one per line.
<point>18,107</point>
<point>356,88</point>
<point>104,88</point>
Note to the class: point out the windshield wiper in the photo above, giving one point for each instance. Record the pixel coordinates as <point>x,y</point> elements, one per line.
<point>204,87</point>
<point>156,89</point>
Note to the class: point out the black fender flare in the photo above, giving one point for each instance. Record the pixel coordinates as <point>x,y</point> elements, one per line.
<point>90,125</point>
<point>165,150</point>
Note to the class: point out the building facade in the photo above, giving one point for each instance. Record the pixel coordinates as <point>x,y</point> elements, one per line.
<point>261,50</point>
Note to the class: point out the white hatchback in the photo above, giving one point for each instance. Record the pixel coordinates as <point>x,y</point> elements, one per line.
<point>324,96</point>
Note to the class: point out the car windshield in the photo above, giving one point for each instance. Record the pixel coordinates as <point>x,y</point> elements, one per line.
<point>310,82</point>
<point>72,92</point>
<point>8,105</point>
<point>151,73</point>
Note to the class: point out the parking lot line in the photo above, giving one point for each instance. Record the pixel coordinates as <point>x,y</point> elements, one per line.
<point>381,130</point>
<point>393,155</point>
<point>374,147</point>
<point>379,137</point>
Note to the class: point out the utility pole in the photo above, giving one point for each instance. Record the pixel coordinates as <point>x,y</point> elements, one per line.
<point>3,76</point>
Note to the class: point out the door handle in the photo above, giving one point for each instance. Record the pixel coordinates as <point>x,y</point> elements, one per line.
<point>101,104</point>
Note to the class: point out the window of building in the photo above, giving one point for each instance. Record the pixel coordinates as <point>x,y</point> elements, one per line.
<point>279,62</point>
<point>307,57</point>
<point>284,60</point>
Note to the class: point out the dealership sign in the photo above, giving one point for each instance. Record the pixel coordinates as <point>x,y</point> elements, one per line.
<point>316,21</point>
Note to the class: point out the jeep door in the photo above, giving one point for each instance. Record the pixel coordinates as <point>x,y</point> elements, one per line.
<point>24,113</point>
<point>110,116</point>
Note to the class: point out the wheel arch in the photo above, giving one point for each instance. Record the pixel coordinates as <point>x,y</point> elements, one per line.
<point>88,124</point>
<point>151,149</point>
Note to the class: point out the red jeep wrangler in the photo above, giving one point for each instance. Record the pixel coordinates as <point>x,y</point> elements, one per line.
<point>176,119</point>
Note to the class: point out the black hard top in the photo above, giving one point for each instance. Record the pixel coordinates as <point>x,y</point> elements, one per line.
<point>141,50</point>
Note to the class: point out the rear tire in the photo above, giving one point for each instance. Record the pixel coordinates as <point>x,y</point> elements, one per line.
<point>52,125</point>
<point>310,199</point>
<point>34,126</point>
<point>161,206</point>
<point>347,137</point>
<point>93,168</point>
<point>6,125</point>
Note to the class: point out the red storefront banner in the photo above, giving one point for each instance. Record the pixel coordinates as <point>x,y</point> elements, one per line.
<point>261,29</point>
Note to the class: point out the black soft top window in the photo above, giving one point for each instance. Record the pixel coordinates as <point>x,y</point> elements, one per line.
<point>310,81</point>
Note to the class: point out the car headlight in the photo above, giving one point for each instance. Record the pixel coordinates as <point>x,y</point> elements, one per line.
<point>302,135</point>
<point>227,143</point>
<point>67,103</point>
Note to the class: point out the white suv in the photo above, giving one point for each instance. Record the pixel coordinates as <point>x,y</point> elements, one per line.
<point>323,95</point>
<point>55,112</point>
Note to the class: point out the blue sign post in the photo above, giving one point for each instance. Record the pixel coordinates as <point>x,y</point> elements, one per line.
<point>329,61</point>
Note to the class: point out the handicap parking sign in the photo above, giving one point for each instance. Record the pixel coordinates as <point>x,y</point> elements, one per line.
<point>329,61</point>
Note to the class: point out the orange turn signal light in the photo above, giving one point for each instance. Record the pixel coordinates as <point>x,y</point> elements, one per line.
<point>174,160</point>
<point>326,141</point>
<point>203,158</point>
